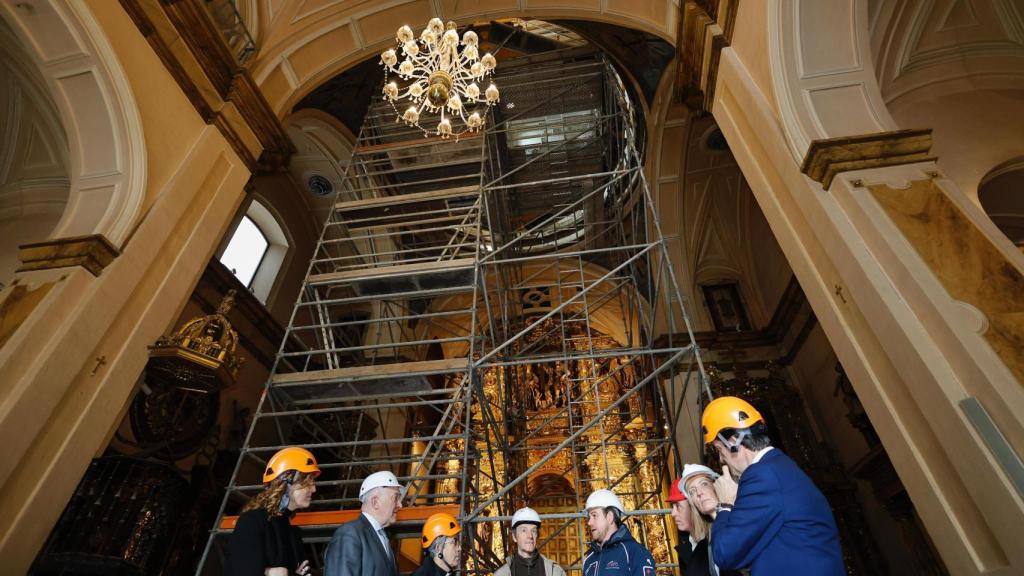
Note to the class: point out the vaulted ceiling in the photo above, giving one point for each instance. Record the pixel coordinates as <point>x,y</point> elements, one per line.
<point>956,66</point>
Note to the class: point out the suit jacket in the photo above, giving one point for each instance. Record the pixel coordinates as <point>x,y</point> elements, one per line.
<point>356,550</point>
<point>781,524</point>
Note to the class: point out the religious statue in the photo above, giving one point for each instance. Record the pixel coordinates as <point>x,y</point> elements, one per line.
<point>532,388</point>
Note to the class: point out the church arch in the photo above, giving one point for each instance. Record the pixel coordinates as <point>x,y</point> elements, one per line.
<point>822,72</point>
<point>313,49</point>
<point>107,160</point>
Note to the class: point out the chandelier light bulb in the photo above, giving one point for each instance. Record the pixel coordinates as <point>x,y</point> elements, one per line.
<point>404,35</point>
<point>492,94</point>
<point>444,128</point>
<point>441,73</point>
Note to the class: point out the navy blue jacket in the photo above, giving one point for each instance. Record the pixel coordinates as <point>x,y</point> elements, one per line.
<point>621,555</point>
<point>781,524</point>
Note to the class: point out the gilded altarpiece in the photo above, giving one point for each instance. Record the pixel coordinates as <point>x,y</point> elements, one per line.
<point>542,403</point>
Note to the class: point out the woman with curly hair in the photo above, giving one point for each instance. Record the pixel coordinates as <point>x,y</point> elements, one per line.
<point>264,542</point>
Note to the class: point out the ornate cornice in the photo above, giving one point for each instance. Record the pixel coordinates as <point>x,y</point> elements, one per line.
<point>827,157</point>
<point>222,91</point>
<point>705,27</point>
<point>789,327</point>
<point>94,253</point>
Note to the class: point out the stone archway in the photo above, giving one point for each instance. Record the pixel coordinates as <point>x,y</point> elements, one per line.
<point>33,154</point>
<point>303,47</point>
<point>107,161</point>
<point>822,72</point>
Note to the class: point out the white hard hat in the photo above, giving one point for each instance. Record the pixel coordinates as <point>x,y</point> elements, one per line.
<point>525,516</point>
<point>604,499</point>
<point>693,470</point>
<point>384,478</point>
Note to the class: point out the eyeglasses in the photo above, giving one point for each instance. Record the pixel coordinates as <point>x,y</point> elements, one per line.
<point>702,484</point>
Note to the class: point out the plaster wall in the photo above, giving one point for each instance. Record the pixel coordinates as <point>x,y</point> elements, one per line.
<point>894,363</point>
<point>72,360</point>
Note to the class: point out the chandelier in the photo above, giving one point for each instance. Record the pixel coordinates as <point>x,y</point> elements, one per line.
<point>439,77</point>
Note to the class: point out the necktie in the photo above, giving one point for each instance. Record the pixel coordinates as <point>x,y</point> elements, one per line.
<point>384,543</point>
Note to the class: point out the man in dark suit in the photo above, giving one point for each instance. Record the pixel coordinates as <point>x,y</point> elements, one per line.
<point>361,547</point>
<point>780,522</point>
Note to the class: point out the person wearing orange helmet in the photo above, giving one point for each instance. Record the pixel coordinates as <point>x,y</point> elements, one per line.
<point>264,543</point>
<point>775,521</point>
<point>442,549</point>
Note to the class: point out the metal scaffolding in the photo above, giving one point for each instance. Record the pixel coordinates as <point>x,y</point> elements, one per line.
<point>492,319</point>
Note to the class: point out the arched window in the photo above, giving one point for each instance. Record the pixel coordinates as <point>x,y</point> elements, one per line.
<point>257,250</point>
<point>245,251</point>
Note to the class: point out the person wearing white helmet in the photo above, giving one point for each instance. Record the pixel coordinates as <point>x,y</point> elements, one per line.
<point>613,550</point>
<point>698,485</point>
<point>527,560</point>
<point>361,547</point>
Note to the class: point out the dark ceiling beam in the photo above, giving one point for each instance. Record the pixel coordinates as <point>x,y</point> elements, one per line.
<point>705,27</point>
<point>188,41</point>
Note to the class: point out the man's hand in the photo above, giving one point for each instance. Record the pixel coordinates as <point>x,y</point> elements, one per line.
<point>726,487</point>
<point>303,568</point>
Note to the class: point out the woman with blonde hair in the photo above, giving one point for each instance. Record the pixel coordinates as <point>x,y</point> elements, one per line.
<point>698,485</point>
<point>264,542</point>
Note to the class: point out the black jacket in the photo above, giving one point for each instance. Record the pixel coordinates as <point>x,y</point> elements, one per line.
<point>258,543</point>
<point>429,568</point>
<point>695,561</point>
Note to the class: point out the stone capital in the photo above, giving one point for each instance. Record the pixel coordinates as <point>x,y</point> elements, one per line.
<point>94,253</point>
<point>827,157</point>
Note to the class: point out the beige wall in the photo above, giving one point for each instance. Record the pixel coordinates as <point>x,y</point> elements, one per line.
<point>58,403</point>
<point>909,354</point>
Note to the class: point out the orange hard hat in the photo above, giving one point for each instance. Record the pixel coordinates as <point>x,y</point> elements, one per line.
<point>674,493</point>
<point>440,524</point>
<point>290,458</point>
<point>727,412</point>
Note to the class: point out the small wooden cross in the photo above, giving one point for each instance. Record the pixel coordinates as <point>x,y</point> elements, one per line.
<point>839,293</point>
<point>100,361</point>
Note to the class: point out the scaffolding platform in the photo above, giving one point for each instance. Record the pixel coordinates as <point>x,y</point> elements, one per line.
<point>484,318</point>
